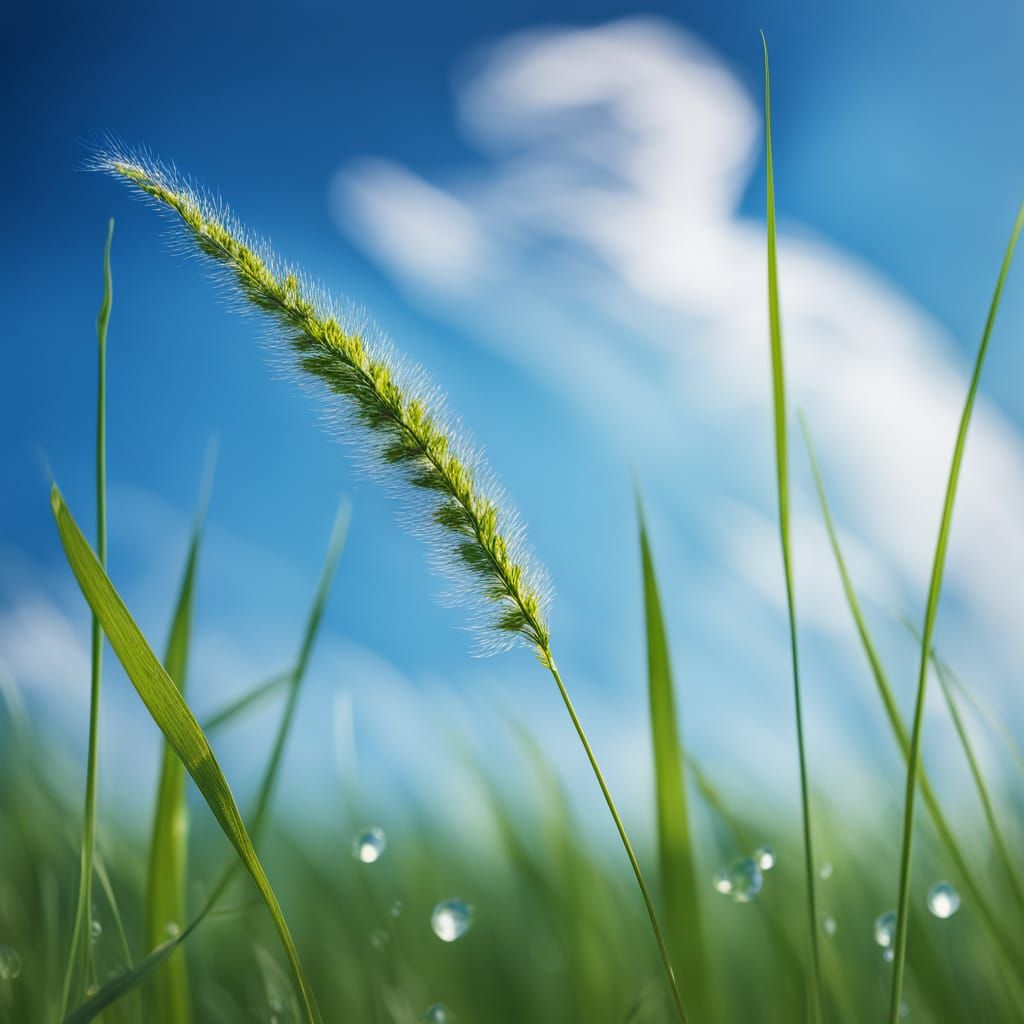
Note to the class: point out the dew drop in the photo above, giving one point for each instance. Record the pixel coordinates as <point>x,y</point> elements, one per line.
<point>943,899</point>
<point>885,930</point>
<point>10,964</point>
<point>378,938</point>
<point>369,845</point>
<point>96,930</point>
<point>764,857</point>
<point>825,871</point>
<point>172,929</point>
<point>396,908</point>
<point>451,919</point>
<point>829,925</point>
<point>438,1013</point>
<point>888,954</point>
<point>742,880</point>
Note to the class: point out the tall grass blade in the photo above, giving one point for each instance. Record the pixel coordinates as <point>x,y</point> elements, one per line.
<point>323,590</point>
<point>675,842</point>
<point>80,956</point>
<point>990,918</point>
<point>170,712</point>
<point>946,676</point>
<point>166,888</point>
<point>782,475</point>
<point>985,712</point>
<point>126,982</point>
<point>931,608</point>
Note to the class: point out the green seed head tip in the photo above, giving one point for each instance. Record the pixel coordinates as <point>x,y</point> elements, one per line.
<point>401,423</point>
<point>56,500</point>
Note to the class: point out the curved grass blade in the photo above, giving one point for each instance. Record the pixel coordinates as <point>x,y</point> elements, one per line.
<point>782,477</point>
<point>166,888</point>
<point>251,698</point>
<point>323,590</point>
<point>931,608</point>
<point>170,712</point>
<point>989,916</point>
<point>80,955</point>
<point>675,842</point>
<point>985,712</point>
<point>124,983</point>
<point>945,676</point>
<point>943,672</point>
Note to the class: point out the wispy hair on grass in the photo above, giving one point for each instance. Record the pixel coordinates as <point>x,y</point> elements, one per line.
<point>407,437</point>
<point>405,432</point>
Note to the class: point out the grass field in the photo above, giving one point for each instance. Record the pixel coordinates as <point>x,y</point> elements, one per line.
<point>725,913</point>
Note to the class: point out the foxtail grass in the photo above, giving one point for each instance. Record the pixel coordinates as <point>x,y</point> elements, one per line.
<point>782,477</point>
<point>80,955</point>
<point>928,630</point>
<point>406,438</point>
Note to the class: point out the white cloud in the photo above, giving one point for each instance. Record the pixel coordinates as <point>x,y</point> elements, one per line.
<point>616,160</point>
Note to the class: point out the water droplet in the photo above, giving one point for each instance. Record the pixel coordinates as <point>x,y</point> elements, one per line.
<point>885,929</point>
<point>172,929</point>
<point>369,845</point>
<point>825,871</point>
<point>943,899</point>
<point>10,964</point>
<point>91,990</point>
<point>438,1013</point>
<point>451,919</point>
<point>764,857</point>
<point>379,938</point>
<point>396,908</point>
<point>829,925</point>
<point>904,1009</point>
<point>742,880</point>
<point>96,930</point>
<point>888,954</point>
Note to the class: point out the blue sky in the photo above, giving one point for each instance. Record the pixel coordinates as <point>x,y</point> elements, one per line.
<point>563,226</point>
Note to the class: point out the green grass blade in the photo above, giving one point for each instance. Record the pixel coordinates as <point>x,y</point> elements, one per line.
<point>170,712</point>
<point>234,709</point>
<point>80,955</point>
<point>977,775</point>
<point>994,722</point>
<point>990,918</point>
<point>162,951</point>
<point>166,888</point>
<point>675,842</point>
<point>931,608</point>
<point>946,679</point>
<point>323,590</point>
<point>782,476</point>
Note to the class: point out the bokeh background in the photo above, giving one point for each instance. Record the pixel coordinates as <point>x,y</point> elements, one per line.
<point>558,209</point>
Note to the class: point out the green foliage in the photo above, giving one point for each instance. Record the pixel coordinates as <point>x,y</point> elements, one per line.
<point>168,709</point>
<point>782,479</point>
<point>676,855</point>
<point>79,962</point>
<point>931,608</point>
<point>166,887</point>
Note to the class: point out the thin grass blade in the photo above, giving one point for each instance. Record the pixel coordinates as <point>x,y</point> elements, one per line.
<point>675,842</point>
<point>931,608</point>
<point>170,712</point>
<point>80,955</point>
<point>161,953</point>
<point>166,887</point>
<point>323,590</point>
<point>236,708</point>
<point>989,916</point>
<point>782,478</point>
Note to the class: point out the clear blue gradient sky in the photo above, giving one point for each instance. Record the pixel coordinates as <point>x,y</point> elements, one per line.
<point>898,144</point>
